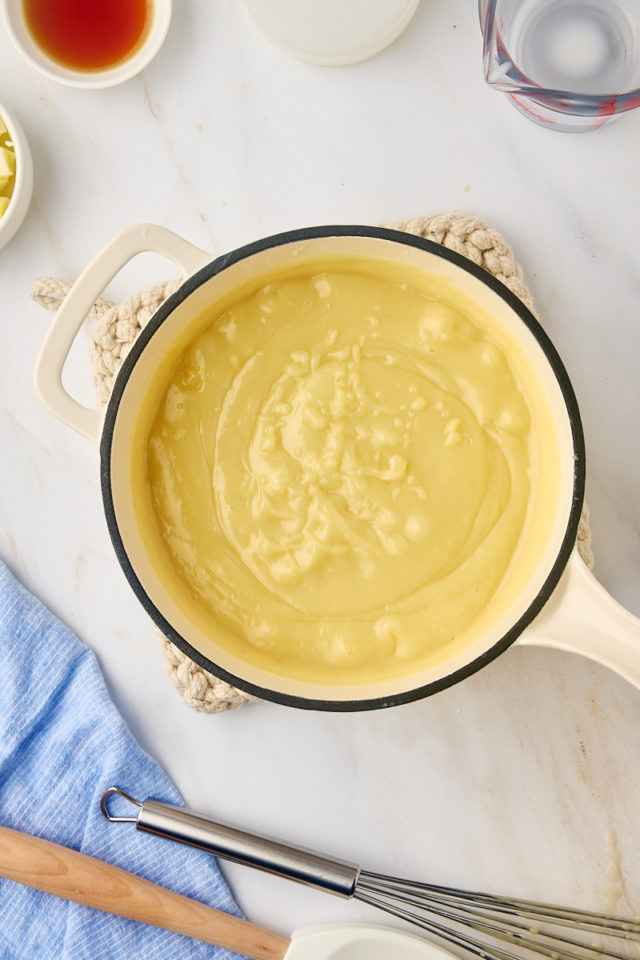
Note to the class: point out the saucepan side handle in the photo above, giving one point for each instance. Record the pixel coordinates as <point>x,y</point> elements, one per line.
<point>582,617</point>
<point>141,238</point>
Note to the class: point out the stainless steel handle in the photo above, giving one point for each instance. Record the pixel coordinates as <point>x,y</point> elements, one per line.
<point>304,866</point>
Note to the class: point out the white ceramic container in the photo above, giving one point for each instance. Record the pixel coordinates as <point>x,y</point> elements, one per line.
<point>561,604</point>
<point>88,79</point>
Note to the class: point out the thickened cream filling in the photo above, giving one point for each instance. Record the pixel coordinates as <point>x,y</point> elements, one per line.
<point>340,471</point>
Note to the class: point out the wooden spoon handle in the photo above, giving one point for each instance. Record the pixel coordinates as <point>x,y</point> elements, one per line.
<point>75,876</point>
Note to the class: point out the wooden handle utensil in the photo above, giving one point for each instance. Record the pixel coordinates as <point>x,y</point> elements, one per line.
<point>75,876</point>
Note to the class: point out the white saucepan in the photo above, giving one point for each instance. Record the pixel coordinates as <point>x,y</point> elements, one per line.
<point>561,604</point>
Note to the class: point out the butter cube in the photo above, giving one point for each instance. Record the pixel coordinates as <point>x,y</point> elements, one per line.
<point>7,162</point>
<point>4,203</point>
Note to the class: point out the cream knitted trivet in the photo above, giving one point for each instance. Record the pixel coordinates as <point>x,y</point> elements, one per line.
<point>118,325</point>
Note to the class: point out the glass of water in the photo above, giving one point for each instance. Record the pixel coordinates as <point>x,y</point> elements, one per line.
<point>567,65</point>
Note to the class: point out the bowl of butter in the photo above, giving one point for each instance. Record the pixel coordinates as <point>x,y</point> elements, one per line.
<point>342,467</point>
<point>16,175</point>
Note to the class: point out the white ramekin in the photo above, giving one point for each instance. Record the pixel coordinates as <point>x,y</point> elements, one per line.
<point>89,79</point>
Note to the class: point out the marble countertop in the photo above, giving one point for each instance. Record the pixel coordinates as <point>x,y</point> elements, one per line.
<point>522,779</point>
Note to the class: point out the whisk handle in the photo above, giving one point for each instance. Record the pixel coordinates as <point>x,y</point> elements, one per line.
<point>229,843</point>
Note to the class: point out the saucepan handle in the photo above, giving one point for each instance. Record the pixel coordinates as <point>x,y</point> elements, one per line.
<point>582,617</point>
<point>141,238</point>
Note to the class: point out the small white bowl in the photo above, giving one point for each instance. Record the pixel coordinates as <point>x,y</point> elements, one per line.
<point>89,79</point>
<point>332,33</point>
<point>23,186</point>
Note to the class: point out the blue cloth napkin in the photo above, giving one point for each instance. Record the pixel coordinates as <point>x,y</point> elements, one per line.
<point>62,743</point>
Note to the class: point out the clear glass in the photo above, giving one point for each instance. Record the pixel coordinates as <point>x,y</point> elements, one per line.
<point>565,64</point>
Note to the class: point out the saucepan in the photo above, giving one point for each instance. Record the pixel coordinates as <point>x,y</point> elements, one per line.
<point>558,602</point>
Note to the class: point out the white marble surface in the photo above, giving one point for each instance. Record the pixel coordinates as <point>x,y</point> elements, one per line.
<point>521,778</point>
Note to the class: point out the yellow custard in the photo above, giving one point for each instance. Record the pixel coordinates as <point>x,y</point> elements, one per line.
<point>339,470</point>
<point>7,167</point>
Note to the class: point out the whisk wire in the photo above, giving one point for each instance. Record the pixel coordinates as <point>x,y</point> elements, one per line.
<point>547,944</point>
<point>444,933</point>
<point>527,909</point>
<point>493,917</point>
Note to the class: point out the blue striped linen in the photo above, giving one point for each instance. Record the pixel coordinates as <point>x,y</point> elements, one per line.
<point>62,743</point>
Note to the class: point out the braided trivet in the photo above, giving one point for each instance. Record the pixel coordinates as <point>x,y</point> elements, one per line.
<point>118,325</point>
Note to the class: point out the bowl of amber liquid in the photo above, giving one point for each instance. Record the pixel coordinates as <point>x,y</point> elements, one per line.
<point>91,45</point>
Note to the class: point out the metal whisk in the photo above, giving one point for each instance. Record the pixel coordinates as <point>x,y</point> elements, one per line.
<point>484,925</point>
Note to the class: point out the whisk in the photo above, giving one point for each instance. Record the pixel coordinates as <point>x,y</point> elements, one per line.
<point>484,925</point>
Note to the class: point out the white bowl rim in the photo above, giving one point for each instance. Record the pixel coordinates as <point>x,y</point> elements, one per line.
<point>87,79</point>
<point>16,211</point>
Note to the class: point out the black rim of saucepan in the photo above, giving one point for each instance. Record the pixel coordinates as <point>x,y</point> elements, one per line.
<point>215,267</point>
